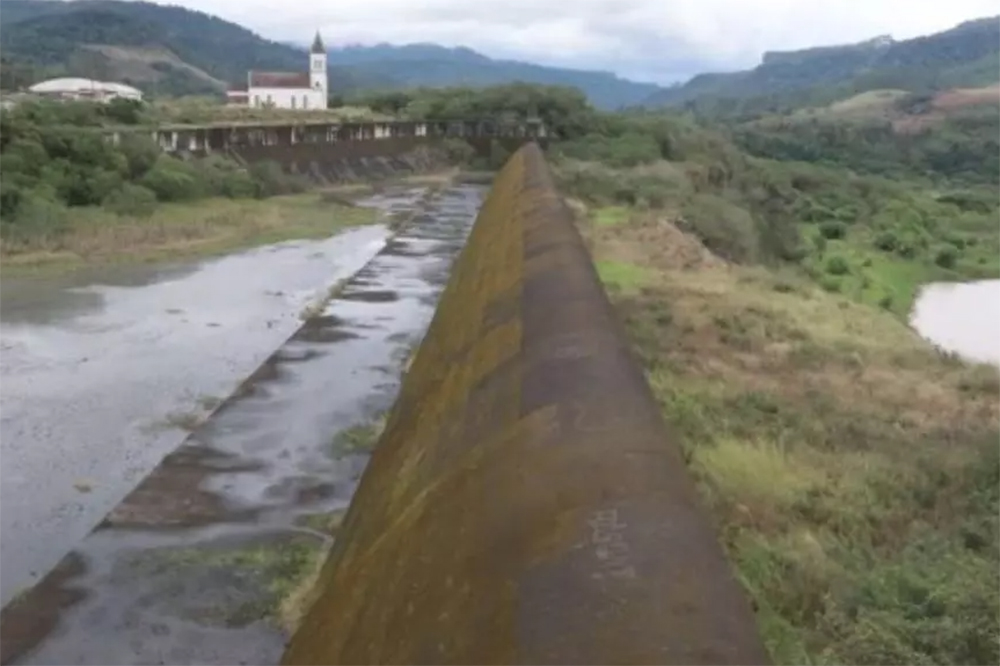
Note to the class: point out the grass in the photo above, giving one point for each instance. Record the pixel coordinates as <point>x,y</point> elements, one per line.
<point>609,216</point>
<point>874,277</point>
<point>282,574</point>
<point>187,421</point>
<point>317,307</point>
<point>360,438</point>
<point>852,470</point>
<point>888,280</point>
<point>182,230</point>
<point>327,522</point>
<point>622,276</point>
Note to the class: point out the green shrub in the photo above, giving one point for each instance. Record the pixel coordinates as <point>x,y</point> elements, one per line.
<point>819,244</point>
<point>458,152</point>
<point>39,214</point>
<point>131,201</point>
<point>226,178</point>
<point>830,283</point>
<point>124,111</point>
<point>837,265</point>
<point>271,180</point>
<point>172,179</point>
<point>140,152</point>
<point>725,228</point>
<point>886,241</point>
<point>833,229</point>
<point>946,256</point>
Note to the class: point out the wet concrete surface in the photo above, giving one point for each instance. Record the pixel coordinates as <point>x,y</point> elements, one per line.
<point>189,568</point>
<point>100,372</point>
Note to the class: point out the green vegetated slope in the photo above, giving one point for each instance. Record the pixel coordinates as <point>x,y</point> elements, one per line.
<point>68,196</point>
<point>172,50</point>
<point>851,468</point>
<point>965,56</point>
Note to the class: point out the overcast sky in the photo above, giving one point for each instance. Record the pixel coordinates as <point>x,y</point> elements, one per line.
<point>656,40</point>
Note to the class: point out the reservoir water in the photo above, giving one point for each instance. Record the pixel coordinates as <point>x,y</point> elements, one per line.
<point>963,318</point>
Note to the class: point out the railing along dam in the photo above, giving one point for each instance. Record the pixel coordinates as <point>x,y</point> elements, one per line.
<point>525,503</point>
<point>330,151</point>
<point>254,139</point>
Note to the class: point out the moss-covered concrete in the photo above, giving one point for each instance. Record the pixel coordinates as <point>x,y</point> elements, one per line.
<point>525,503</point>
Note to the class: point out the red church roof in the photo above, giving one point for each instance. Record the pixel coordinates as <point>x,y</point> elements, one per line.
<point>279,80</point>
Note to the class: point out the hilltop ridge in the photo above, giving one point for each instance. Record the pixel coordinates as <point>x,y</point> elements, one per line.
<point>967,55</point>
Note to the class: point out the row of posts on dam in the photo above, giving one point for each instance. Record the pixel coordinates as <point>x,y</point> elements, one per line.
<point>219,138</point>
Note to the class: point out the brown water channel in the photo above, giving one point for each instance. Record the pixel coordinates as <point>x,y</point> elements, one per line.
<point>89,373</point>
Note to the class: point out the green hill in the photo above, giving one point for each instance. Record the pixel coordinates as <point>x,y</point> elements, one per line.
<point>194,52</point>
<point>965,56</point>
<point>173,50</point>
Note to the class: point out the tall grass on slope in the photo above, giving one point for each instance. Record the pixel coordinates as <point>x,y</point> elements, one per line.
<point>852,470</point>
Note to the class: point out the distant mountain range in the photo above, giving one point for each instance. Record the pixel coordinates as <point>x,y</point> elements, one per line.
<point>967,55</point>
<point>178,51</point>
<point>435,66</point>
<point>172,50</point>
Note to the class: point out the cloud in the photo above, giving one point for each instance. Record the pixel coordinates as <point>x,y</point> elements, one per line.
<point>650,39</point>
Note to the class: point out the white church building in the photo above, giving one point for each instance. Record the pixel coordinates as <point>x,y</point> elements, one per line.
<point>287,90</point>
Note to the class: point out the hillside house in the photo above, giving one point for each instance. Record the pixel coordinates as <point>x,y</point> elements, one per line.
<point>287,90</point>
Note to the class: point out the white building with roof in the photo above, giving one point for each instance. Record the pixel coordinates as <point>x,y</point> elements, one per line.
<point>287,90</point>
<point>85,89</point>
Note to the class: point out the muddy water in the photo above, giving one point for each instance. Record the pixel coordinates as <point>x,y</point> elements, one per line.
<point>131,592</point>
<point>961,318</point>
<point>97,370</point>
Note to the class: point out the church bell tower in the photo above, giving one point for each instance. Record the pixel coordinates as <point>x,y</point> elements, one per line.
<point>317,67</point>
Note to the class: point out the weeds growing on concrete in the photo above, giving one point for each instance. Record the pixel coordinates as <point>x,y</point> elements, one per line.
<point>187,421</point>
<point>360,438</point>
<point>317,307</point>
<point>327,522</point>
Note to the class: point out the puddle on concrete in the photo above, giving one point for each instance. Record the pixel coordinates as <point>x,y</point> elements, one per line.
<point>264,462</point>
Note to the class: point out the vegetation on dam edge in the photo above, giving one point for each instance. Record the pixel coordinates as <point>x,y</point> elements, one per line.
<point>67,197</point>
<point>180,230</point>
<point>851,469</point>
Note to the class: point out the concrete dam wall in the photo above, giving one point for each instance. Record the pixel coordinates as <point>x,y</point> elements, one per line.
<point>525,503</point>
<point>336,152</point>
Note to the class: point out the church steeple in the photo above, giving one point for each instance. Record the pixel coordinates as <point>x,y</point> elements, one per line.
<point>317,46</point>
